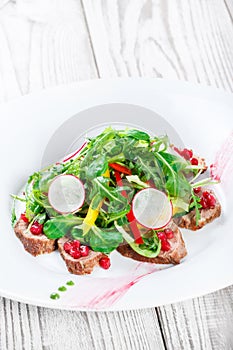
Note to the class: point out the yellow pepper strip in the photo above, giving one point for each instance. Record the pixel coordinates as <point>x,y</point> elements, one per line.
<point>92,214</point>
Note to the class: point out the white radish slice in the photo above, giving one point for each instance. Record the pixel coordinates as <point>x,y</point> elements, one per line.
<point>152,208</point>
<point>66,194</point>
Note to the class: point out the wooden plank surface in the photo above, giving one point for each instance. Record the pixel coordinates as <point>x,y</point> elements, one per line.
<point>45,43</point>
<point>188,40</point>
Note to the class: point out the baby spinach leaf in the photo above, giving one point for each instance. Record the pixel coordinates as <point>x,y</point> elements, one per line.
<point>104,240</point>
<point>60,226</point>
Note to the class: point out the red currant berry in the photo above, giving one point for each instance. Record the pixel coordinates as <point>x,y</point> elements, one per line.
<point>211,201</point>
<point>105,263</point>
<point>161,235</point>
<point>194,161</point>
<point>169,233</point>
<point>165,246</point>
<point>75,244</point>
<point>76,254</point>
<point>204,203</point>
<point>67,247</point>
<point>36,229</point>
<point>84,250</point>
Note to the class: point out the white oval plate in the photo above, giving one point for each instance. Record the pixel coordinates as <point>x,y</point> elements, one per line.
<point>201,116</point>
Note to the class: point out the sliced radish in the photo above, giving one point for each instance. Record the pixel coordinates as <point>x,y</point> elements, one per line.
<point>152,208</point>
<point>66,194</point>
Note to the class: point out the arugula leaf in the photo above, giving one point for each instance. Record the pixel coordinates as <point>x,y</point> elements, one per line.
<point>151,169</point>
<point>18,198</point>
<point>108,217</point>
<point>60,226</point>
<point>195,204</point>
<point>136,134</point>
<point>160,144</point>
<point>176,183</point>
<point>116,202</point>
<point>96,168</point>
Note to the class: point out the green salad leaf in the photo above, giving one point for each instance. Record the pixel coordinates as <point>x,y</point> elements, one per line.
<point>60,226</point>
<point>103,240</point>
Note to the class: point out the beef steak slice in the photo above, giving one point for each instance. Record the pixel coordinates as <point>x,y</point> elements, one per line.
<point>207,215</point>
<point>35,245</point>
<point>80,266</point>
<point>173,256</point>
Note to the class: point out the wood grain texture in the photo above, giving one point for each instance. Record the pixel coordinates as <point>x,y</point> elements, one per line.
<point>45,43</point>
<point>30,327</point>
<point>202,323</point>
<point>188,40</point>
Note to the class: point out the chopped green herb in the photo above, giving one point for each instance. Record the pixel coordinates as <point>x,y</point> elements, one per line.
<point>70,283</point>
<point>54,296</point>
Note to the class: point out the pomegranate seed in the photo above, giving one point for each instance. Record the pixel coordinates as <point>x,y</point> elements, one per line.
<point>76,254</point>
<point>84,250</point>
<point>206,194</point>
<point>187,153</point>
<point>67,247</point>
<point>105,263</point>
<point>75,244</point>
<point>169,233</point>
<point>161,235</point>
<point>194,161</point>
<point>165,246</point>
<point>36,229</point>
<point>197,190</point>
<point>211,201</point>
<point>204,203</point>
<point>24,218</point>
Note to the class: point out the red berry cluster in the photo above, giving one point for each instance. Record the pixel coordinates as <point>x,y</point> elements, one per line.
<point>75,249</point>
<point>164,236</point>
<point>208,201</point>
<point>187,154</point>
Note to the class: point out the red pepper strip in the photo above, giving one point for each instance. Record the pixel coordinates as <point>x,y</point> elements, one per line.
<point>134,227</point>
<point>120,168</point>
<point>130,216</point>
<point>120,183</point>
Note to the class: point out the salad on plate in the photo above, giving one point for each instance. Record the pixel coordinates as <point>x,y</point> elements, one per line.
<point>123,190</point>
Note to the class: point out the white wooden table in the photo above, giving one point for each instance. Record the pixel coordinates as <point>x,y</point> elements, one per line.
<point>44,43</point>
